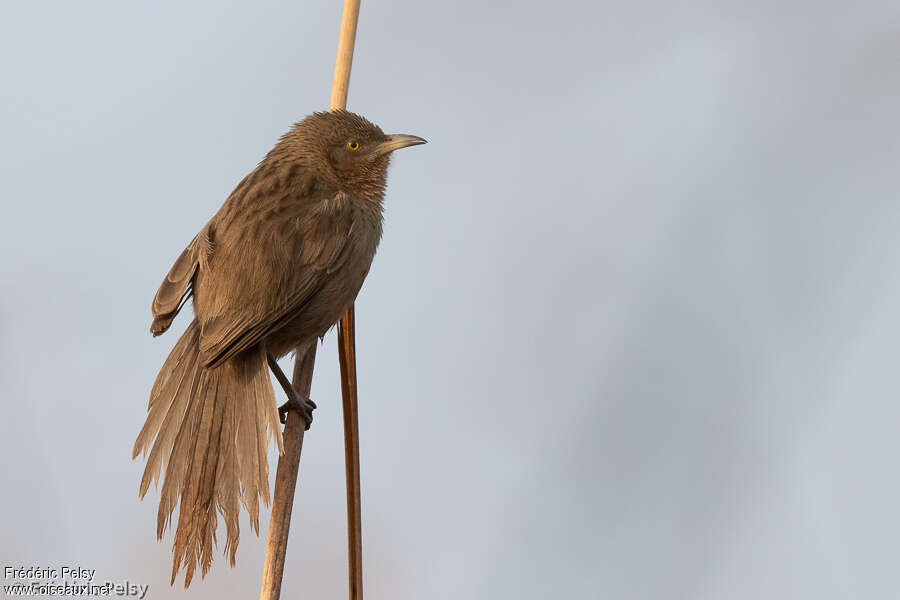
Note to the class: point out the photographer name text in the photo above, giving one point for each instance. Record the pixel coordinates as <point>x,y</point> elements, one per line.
<point>36,573</point>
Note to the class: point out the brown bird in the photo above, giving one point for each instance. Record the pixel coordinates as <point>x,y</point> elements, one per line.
<point>274,269</point>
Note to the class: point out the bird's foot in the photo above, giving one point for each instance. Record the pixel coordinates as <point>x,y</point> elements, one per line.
<point>302,405</point>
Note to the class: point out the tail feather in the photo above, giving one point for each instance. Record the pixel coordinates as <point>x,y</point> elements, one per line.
<point>167,405</point>
<point>227,486</point>
<point>211,429</point>
<point>193,443</point>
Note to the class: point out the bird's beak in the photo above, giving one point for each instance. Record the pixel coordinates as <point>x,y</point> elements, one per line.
<point>397,141</point>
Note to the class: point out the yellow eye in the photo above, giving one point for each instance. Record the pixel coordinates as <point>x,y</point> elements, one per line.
<point>353,145</point>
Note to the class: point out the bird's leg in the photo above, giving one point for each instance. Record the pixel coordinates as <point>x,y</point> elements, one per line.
<point>295,401</point>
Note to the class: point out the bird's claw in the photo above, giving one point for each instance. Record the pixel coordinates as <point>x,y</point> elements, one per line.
<point>302,405</point>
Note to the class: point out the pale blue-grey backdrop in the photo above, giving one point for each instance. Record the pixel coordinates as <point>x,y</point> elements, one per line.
<point>631,333</point>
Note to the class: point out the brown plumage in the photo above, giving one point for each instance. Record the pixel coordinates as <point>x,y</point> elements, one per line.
<point>274,268</point>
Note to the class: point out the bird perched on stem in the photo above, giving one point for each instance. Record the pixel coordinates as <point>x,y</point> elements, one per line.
<point>275,268</point>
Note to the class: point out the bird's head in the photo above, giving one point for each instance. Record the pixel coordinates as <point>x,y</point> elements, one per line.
<point>347,149</point>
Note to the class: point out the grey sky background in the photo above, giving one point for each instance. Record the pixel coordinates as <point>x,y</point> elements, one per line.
<point>631,331</point>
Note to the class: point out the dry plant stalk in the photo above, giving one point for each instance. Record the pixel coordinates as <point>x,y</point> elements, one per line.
<point>289,462</point>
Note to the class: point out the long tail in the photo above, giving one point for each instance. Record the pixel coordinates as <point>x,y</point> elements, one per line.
<point>211,429</point>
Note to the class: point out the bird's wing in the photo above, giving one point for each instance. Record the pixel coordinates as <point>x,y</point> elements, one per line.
<point>176,288</point>
<point>287,282</point>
